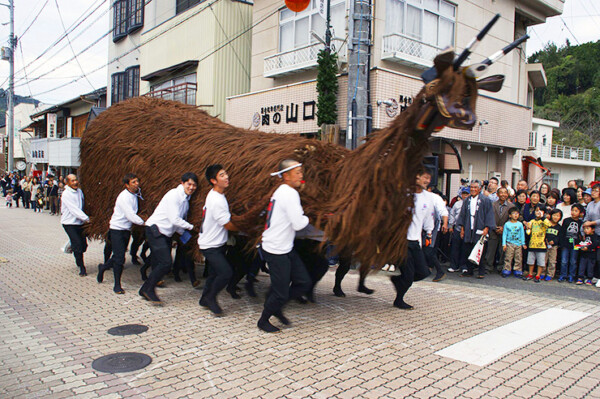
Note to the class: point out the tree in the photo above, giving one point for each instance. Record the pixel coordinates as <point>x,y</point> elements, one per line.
<point>327,88</point>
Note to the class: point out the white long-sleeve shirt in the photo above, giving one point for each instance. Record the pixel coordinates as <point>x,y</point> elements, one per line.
<point>125,212</point>
<point>170,213</point>
<point>71,206</point>
<point>422,217</point>
<point>215,216</point>
<point>285,217</point>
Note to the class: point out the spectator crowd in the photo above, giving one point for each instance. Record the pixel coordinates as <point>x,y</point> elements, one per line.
<point>32,192</point>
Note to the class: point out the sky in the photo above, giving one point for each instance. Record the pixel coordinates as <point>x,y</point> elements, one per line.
<point>582,17</point>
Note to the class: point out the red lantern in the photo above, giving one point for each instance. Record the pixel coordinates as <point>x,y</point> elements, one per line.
<point>297,5</point>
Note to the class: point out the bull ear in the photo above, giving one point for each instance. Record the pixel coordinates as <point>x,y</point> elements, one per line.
<point>444,60</point>
<point>491,83</point>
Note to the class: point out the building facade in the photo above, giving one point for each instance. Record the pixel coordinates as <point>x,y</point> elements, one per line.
<point>565,163</point>
<point>190,51</point>
<point>404,38</point>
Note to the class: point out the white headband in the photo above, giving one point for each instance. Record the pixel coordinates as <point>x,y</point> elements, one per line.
<point>282,171</point>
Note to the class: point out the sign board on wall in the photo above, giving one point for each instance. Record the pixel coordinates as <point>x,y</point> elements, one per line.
<point>51,125</point>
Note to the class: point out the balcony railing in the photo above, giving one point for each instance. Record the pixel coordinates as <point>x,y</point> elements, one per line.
<point>561,151</point>
<point>300,59</point>
<point>407,50</point>
<point>183,92</point>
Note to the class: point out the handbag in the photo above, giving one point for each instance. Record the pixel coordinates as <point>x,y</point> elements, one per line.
<point>477,252</point>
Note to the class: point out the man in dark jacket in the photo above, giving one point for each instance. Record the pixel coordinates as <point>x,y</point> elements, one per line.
<point>476,219</point>
<point>501,209</point>
<point>52,193</point>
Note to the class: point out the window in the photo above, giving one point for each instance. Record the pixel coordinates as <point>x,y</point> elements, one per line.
<point>182,89</point>
<point>295,28</point>
<point>117,87</point>
<point>429,21</point>
<point>133,81</point>
<point>552,180</point>
<point>120,19</point>
<point>128,17</point>
<point>183,5</point>
<point>125,84</point>
<point>136,15</point>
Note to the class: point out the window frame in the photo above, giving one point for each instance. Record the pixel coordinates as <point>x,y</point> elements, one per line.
<point>184,5</point>
<point>135,15</point>
<point>119,81</point>
<point>120,24</point>
<point>132,82</point>
<point>419,5</point>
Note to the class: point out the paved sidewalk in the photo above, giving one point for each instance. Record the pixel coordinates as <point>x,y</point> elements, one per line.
<point>53,324</point>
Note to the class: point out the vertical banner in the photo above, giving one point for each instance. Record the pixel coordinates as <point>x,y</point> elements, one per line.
<point>322,8</point>
<point>51,125</point>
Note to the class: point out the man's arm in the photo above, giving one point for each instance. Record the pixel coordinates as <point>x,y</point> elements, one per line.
<point>295,213</point>
<point>73,207</point>
<point>173,205</point>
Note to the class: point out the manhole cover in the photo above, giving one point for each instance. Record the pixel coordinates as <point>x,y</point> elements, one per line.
<point>128,329</point>
<point>121,362</point>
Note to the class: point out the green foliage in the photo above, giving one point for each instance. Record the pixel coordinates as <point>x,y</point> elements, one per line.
<point>327,87</point>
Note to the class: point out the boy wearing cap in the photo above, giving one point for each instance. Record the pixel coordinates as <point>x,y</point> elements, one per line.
<point>537,243</point>
<point>285,216</point>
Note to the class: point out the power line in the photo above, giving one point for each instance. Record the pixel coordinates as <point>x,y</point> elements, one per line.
<point>70,45</point>
<point>23,58</point>
<point>566,26</point>
<point>33,21</point>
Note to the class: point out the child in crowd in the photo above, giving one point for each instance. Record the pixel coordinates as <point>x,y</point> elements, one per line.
<point>9,198</point>
<point>569,236</point>
<point>39,200</point>
<point>513,239</point>
<point>537,243</point>
<point>552,242</point>
<point>587,259</point>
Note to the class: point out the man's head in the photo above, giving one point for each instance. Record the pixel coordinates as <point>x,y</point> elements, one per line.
<point>423,178</point>
<point>572,184</point>
<point>577,211</point>
<point>217,176</point>
<point>475,188</point>
<point>293,177</point>
<point>132,183</point>
<point>189,181</point>
<point>596,192</point>
<point>464,193</point>
<point>72,181</point>
<point>493,184</point>
<point>502,194</point>
<point>522,185</point>
<point>534,197</point>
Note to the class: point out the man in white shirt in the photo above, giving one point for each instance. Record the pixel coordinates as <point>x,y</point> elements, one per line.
<point>285,216</point>
<point>212,240</point>
<point>439,212</point>
<point>124,216</point>
<point>168,218</point>
<point>73,219</point>
<point>414,267</point>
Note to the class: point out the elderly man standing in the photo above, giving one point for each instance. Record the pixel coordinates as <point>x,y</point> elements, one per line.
<point>501,210</point>
<point>476,219</point>
<point>73,219</point>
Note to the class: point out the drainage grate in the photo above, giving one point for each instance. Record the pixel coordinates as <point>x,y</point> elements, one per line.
<point>121,362</point>
<point>128,329</point>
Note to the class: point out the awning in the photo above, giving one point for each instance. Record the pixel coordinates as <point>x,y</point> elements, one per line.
<point>536,75</point>
<point>171,70</point>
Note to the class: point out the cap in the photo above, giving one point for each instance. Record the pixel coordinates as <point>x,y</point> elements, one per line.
<point>465,190</point>
<point>588,191</point>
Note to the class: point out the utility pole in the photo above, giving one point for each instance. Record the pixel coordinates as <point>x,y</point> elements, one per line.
<point>8,54</point>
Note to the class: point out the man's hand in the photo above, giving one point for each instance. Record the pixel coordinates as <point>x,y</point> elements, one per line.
<point>499,229</point>
<point>589,223</point>
<point>462,233</point>
<point>486,231</point>
<point>445,228</point>
<point>524,246</point>
<point>504,248</point>
<point>428,240</point>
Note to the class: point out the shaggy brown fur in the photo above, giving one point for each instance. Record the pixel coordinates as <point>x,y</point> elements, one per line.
<point>361,198</point>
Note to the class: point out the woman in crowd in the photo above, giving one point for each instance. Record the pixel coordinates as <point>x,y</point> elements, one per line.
<point>551,201</point>
<point>521,200</point>
<point>569,199</point>
<point>544,192</point>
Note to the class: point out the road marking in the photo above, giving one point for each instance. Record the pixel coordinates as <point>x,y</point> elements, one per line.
<point>490,346</point>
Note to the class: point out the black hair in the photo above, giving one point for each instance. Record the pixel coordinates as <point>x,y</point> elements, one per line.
<point>535,192</point>
<point>553,211</point>
<point>580,207</point>
<point>129,177</point>
<point>513,209</point>
<point>571,193</point>
<point>519,192</point>
<point>541,207</point>
<point>189,176</point>
<point>495,178</point>
<point>212,171</point>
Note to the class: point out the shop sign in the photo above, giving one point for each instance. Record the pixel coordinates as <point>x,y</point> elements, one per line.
<point>277,114</point>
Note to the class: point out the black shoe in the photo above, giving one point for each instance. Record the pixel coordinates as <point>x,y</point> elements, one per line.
<point>143,272</point>
<point>135,260</point>
<point>363,288</point>
<point>151,296</point>
<point>302,300</point>
<point>263,324</point>
<point>400,304</point>
<point>203,301</point>
<point>119,290</point>
<point>101,270</point>
<point>439,278</point>
<point>284,320</point>
<point>82,271</point>
<point>249,286</point>
<point>337,291</point>
<point>233,294</point>
<point>214,307</point>
<point>466,274</point>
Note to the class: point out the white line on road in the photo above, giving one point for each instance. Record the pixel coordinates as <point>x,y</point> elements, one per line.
<point>487,347</point>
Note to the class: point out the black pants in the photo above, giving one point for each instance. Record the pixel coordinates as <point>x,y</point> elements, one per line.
<point>119,240</point>
<point>184,261</point>
<point>285,269</point>
<point>313,258</point>
<point>219,272</point>
<point>161,259</point>
<point>138,240</point>
<point>26,199</point>
<point>78,241</point>
<point>432,260</point>
<point>414,268</point>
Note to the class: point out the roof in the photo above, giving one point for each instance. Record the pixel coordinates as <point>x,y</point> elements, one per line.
<point>169,70</point>
<point>93,94</point>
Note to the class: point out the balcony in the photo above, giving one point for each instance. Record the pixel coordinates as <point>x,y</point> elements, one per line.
<point>184,93</point>
<point>580,154</point>
<point>64,152</point>
<point>300,59</point>
<point>408,51</point>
